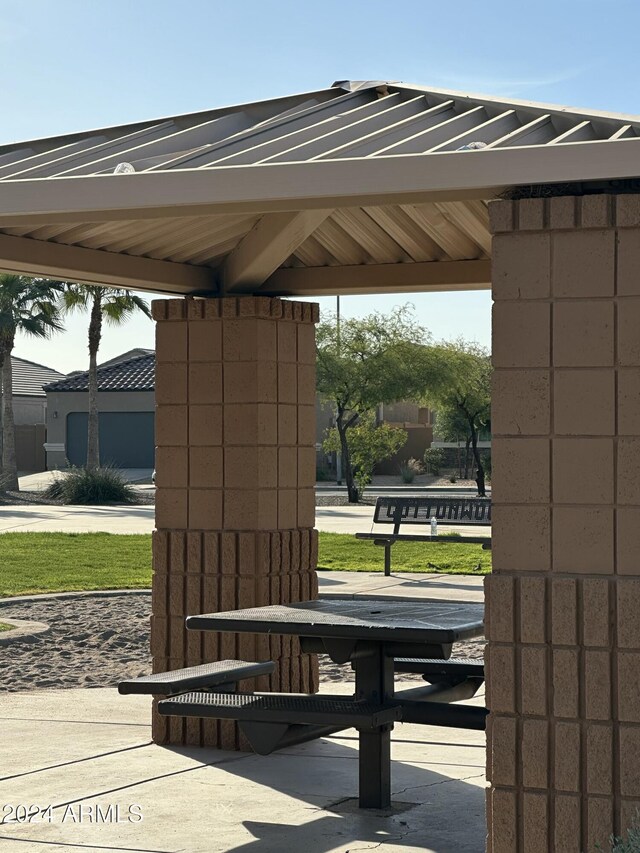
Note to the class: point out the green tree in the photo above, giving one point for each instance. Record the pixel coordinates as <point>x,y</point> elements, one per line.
<point>30,306</point>
<point>114,306</point>
<point>364,362</point>
<point>452,425</point>
<point>368,444</point>
<point>464,388</point>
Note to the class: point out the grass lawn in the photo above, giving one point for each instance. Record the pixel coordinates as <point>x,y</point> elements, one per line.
<point>58,562</point>
<point>341,552</point>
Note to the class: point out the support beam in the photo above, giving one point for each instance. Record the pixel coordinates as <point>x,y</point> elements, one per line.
<point>268,245</point>
<point>380,278</point>
<point>75,263</point>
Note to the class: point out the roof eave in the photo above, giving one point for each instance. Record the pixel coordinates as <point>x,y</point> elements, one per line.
<point>398,179</point>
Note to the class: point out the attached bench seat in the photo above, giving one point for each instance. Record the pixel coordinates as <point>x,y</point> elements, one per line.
<point>438,671</point>
<point>207,675</point>
<point>281,708</point>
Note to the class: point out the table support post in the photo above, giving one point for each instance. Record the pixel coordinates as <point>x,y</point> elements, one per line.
<point>374,683</point>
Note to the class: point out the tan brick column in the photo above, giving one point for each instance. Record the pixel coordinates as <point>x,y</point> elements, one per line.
<point>235,472</point>
<point>564,598</point>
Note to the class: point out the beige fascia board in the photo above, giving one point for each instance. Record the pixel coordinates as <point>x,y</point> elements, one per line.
<point>399,179</point>
<point>73,263</point>
<point>380,278</point>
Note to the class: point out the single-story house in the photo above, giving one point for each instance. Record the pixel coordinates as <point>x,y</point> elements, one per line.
<point>30,411</point>
<point>126,405</point>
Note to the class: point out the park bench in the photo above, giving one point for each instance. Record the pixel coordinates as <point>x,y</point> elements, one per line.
<point>416,511</point>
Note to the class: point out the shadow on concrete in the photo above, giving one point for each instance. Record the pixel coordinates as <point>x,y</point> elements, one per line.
<point>429,810</point>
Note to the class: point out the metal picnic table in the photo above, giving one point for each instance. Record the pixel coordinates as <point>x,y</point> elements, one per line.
<point>371,634</point>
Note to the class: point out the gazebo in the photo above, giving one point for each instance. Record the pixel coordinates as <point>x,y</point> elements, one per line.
<point>371,187</point>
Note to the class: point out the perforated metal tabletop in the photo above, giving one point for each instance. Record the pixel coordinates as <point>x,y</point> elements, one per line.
<point>364,619</point>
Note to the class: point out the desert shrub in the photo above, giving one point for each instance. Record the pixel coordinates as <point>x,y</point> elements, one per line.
<point>630,844</point>
<point>90,486</point>
<point>410,469</point>
<point>433,458</point>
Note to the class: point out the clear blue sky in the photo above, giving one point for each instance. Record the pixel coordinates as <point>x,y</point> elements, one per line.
<point>76,64</point>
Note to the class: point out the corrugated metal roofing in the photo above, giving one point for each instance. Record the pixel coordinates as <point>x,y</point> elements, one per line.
<point>30,378</point>
<point>134,374</point>
<point>371,120</point>
<point>374,177</point>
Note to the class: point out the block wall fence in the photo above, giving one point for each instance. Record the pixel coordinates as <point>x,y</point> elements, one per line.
<point>563,601</point>
<point>235,476</point>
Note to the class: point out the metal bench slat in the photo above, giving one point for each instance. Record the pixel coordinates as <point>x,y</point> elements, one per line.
<point>280,708</point>
<point>194,677</point>
<point>432,666</point>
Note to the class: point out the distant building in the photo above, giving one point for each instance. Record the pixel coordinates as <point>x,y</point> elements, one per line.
<point>30,411</point>
<point>417,421</point>
<point>126,406</point>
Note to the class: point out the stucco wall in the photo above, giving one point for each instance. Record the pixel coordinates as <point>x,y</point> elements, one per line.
<point>29,410</point>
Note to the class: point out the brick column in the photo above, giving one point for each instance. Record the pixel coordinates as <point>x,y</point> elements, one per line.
<point>563,602</point>
<point>235,472</point>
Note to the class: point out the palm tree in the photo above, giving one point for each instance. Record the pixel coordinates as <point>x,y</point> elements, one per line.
<point>31,306</point>
<point>116,307</point>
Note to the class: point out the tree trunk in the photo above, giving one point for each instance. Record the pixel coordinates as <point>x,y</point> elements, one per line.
<point>476,455</point>
<point>467,457</point>
<point>95,333</point>
<point>1,422</point>
<point>9,460</point>
<point>347,469</point>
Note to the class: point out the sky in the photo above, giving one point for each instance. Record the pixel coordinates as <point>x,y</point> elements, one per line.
<point>69,65</point>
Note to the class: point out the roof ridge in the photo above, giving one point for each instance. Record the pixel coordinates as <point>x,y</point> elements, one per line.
<point>80,379</point>
<point>36,364</point>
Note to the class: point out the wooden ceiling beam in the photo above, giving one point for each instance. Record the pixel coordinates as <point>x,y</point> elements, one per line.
<point>271,241</point>
<point>74,263</point>
<point>380,278</point>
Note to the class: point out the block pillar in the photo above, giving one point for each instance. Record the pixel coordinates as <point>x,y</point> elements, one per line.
<point>235,476</point>
<point>563,602</point>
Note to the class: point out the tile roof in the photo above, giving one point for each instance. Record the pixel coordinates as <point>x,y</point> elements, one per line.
<point>30,378</point>
<point>134,374</point>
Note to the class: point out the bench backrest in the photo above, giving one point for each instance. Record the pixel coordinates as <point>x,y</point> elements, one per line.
<point>447,509</point>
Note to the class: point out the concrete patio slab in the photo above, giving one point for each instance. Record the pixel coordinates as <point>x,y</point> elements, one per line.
<point>209,801</point>
<point>401,585</point>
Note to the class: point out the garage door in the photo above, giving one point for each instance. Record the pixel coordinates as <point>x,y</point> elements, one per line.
<point>126,439</point>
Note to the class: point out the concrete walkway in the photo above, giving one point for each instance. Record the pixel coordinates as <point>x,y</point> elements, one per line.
<point>76,519</point>
<point>140,519</point>
<point>39,481</point>
<point>84,750</point>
